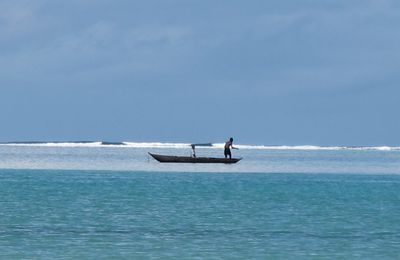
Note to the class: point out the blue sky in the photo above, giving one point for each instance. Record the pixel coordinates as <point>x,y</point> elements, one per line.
<point>265,72</point>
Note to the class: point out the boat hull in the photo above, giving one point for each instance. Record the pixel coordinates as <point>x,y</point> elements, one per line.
<point>187,159</point>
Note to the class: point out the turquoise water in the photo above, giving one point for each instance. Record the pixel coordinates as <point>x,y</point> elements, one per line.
<point>78,214</point>
<point>183,213</point>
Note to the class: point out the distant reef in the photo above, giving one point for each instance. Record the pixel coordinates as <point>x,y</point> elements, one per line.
<point>63,142</point>
<point>113,143</point>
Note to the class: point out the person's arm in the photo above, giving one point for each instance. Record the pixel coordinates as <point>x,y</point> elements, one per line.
<point>234,147</point>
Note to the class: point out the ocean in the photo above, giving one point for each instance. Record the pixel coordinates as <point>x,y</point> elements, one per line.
<point>94,200</point>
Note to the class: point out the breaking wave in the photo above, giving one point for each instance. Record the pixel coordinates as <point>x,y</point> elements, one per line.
<point>161,145</point>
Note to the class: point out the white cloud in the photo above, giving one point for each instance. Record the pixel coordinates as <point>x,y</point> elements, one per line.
<point>306,43</point>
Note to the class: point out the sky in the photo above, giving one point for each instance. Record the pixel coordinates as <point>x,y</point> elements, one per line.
<point>320,72</point>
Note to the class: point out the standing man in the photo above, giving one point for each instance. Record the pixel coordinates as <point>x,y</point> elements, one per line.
<point>229,144</point>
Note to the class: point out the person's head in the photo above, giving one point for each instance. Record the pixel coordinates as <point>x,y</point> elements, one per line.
<point>231,139</point>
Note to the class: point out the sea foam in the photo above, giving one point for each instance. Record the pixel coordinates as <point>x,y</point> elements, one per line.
<point>161,145</point>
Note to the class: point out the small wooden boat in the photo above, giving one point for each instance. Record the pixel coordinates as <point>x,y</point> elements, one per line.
<point>190,159</point>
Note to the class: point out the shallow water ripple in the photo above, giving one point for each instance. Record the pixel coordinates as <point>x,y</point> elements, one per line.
<point>105,214</point>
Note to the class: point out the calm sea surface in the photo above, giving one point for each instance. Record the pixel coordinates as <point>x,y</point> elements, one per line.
<point>116,202</point>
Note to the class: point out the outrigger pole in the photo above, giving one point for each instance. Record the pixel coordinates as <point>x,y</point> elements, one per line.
<point>194,148</point>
